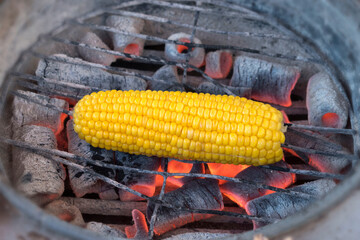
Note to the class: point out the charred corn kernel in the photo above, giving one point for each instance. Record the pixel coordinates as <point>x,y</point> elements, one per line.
<point>204,127</point>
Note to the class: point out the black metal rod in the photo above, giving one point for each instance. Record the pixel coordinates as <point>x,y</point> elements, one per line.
<point>322,129</point>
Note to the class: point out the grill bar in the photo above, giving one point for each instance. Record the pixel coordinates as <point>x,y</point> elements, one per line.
<point>206,46</point>
<point>196,18</point>
<point>203,29</point>
<point>161,195</point>
<point>76,158</point>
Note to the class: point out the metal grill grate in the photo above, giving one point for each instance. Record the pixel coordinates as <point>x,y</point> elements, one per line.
<point>198,8</point>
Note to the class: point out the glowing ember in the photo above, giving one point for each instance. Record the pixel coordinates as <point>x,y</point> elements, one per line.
<point>226,170</point>
<point>330,119</point>
<point>183,48</point>
<point>140,229</point>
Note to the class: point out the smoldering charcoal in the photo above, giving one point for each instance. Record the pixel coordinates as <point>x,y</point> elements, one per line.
<point>122,42</point>
<point>26,112</point>
<point>197,194</point>
<point>280,205</point>
<point>270,82</point>
<point>82,182</point>
<point>94,56</point>
<point>326,102</point>
<point>142,182</point>
<point>166,78</point>
<point>241,193</point>
<point>68,70</point>
<point>38,177</point>
<point>324,163</point>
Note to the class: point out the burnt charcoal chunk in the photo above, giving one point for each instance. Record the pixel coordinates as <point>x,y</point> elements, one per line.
<point>197,194</point>
<point>82,182</point>
<point>241,193</point>
<point>280,205</point>
<point>142,182</point>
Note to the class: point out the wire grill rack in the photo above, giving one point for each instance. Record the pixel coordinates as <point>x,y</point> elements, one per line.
<point>197,9</point>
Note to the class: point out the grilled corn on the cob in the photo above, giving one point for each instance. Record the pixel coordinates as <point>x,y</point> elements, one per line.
<point>182,125</point>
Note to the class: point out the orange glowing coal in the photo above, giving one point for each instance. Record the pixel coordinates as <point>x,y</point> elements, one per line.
<point>183,48</point>
<point>226,170</point>
<point>330,119</point>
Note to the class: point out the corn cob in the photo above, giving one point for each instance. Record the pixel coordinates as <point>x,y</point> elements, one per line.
<point>182,125</point>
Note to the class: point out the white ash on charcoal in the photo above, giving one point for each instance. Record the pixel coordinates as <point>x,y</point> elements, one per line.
<point>180,53</point>
<point>139,230</point>
<point>175,166</point>
<point>94,56</point>
<point>27,112</point>
<point>270,82</point>
<point>201,194</point>
<point>104,230</point>
<point>326,102</point>
<point>316,141</point>
<point>125,43</point>
<point>81,182</point>
<point>82,75</point>
<point>281,205</point>
<point>166,79</point>
<point>218,64</point>
<point>141,182</point>
<point>208,87</point>
<point>37,177</point>
<point>241,193</point>
<point>65,212</point>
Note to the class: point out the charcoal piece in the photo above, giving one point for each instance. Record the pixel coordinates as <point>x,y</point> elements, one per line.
<point>199,236</point>
<point>208,87</point>
<point>37,177</point>
<point>95,56</point>
<point>316,141</point>
<point>26,112</point>
<point>82,182</point>
<point>270,82</point>
<point>218,64</point>
<point>141,182</point>
<point>70,72</point>
<point>66,212</point>
<point>175,52</point>
<point>175,166</point>
<point>125,43</point>
<point>280,205</point>
<point>166,79</point>
<point>198,194</point>
<point>241,193</point>
<point>326,102</point>
<point>139,230</point>
<point>104,230</point>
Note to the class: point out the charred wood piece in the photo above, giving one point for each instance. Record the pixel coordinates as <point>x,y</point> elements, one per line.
<point>81,182</point>
<point>65,212</point>
<point>26,112</point>
<point>166,79</point>
<point>71,70</point>
<point>104,230</point>
<point>198,194</point>
<point>326,102</point>
<point>125,43</point>
<point>270,82</point>
<point>316,141</point>
<point>218,64</point>
<point>180,53</point>
<point>241,193</point>
<point>94,56</point>
<point>140,228</point>
<point>281,205</point>
<point>141,182</point>
<point>35,176</point>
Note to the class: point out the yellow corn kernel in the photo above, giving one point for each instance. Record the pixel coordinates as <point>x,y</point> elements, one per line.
<point>203,127</point>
